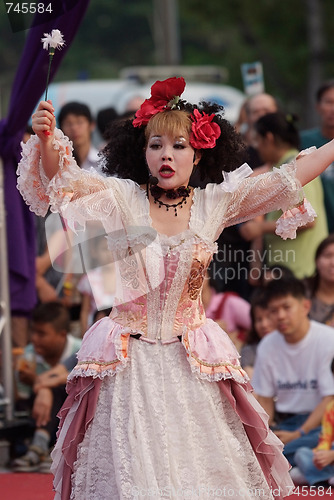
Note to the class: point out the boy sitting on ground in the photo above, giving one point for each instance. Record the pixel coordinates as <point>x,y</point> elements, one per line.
<point>51,344</point>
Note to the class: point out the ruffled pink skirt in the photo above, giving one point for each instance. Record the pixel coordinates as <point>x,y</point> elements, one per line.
<point>155,430</point>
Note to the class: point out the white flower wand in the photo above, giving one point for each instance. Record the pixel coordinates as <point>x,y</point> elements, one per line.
<point>51,42</point>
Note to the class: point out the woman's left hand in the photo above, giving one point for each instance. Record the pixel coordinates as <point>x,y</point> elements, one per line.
<point>287,436</point>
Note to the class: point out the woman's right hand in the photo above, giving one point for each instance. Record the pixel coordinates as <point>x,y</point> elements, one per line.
<point>44,121</point>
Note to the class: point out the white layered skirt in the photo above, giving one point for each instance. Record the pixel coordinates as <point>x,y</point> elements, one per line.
<point>160,432</point>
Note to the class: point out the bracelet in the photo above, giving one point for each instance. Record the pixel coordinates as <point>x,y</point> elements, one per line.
<point>302,432</point>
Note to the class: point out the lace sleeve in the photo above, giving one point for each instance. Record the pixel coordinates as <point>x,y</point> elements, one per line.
<point>77,194</point>
<point>240,198</point>
<point>279,189</point>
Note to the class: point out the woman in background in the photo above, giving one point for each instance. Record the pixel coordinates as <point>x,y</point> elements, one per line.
<point>320,286</point>
<point>277,141</point>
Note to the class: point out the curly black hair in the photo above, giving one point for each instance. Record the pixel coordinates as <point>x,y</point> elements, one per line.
<point>124,155</point>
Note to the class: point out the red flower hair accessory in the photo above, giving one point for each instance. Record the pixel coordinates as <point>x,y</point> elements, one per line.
<point>205,132</point>
<point>164,94</point>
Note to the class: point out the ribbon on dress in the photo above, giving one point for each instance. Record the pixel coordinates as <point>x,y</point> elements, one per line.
<point>233,179</point>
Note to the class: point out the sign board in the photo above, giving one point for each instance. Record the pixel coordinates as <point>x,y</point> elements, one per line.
<point>252,75</point>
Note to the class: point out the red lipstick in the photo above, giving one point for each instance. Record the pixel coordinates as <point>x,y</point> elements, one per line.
<point>166,171</point>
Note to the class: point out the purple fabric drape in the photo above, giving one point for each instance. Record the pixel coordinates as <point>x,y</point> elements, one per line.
<point>27,88</point>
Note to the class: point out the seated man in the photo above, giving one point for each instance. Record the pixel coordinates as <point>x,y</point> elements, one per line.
<point>51,345</point>
<point>292,374</point>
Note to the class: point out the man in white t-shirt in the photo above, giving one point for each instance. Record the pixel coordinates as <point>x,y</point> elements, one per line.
<point>292,374</point>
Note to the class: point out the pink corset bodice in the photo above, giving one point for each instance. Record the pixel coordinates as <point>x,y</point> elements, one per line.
<point>171,305</point>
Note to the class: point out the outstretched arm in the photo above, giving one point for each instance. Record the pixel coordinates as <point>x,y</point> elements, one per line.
<point>311,165</point>
<point>313,421</point>
<point>43,124</point>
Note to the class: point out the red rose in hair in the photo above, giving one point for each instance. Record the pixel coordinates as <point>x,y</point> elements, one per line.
<point>167,89</point>
<point>145,112</point>
<point>205,132</point>
<point>161,94</point>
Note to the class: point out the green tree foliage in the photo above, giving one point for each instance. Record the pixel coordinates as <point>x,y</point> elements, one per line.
<point>120,33</point>
<point>114,34</point>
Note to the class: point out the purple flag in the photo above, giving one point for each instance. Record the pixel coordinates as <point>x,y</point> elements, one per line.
<point>28,86</point>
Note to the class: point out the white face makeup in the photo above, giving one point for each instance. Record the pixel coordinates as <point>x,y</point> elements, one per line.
<point>170,160</point>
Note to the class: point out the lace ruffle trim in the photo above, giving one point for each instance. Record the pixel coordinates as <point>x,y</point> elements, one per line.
<point>292,219</point>
<point>40,192</point>
<point>29,181</point>
<point>100,369</point>
<point>183,241</point>
<point>288,176</point>
<point>96,370</point>
<point>214,372</point>
<point>298,215</point>
<point>37,190</point>
<point>217,373</point>
<point>134,238</point>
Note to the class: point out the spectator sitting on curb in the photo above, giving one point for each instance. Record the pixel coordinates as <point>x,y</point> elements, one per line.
<point>51,344</point>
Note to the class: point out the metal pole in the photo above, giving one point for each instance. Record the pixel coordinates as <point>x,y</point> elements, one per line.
<point>173,48</point>
<point>5,330</point>
<point>166,32</point>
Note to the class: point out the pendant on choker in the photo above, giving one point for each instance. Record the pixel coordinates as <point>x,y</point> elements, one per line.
<point>173,194</point>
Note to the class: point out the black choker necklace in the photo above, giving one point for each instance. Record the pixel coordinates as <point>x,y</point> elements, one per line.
<point>173,194</point>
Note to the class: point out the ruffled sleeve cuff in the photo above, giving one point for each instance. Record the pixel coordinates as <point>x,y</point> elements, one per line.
<point>298,215</point>
<point>292,219</point>
<point>38,191</point>
<point>29,181</point>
